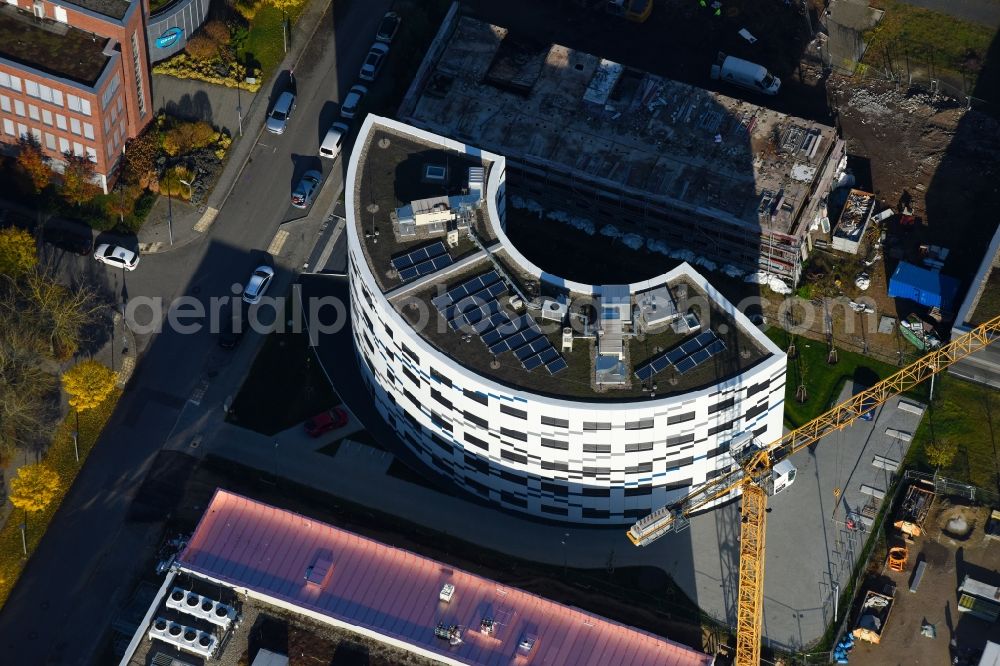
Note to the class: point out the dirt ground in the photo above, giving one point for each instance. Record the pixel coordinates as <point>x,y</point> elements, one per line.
<point>949,559</point>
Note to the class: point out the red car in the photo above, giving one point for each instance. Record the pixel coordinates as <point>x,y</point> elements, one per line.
<point>326,421</point>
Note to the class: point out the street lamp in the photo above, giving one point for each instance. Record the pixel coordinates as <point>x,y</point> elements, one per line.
<point>170,210</point>
<point>184,182</point>
<point>240,74</point>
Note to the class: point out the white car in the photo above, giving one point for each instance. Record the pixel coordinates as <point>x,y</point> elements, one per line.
<point>117,256</point>
<point>333,142</point>
<point>374,61</point>
<point>349,108</point>
<point>282,111</point>
<point>258,284</point>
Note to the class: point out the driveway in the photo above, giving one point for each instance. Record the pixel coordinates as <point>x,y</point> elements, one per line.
<point>197,100</point>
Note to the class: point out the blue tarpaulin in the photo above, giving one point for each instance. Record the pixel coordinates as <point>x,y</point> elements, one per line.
<point>924,286</point>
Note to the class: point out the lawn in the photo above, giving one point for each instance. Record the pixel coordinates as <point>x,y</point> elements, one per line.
<point>823,381</point>
<point>61,458</point>
<point>930,38</point>
<point>969,415</point>
<point>265,43</point>
<point>284,387</point>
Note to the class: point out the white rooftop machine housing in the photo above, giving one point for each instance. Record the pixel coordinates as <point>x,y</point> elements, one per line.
<point>196,605</point>
<point>554,310</point>
<point>183,637</point>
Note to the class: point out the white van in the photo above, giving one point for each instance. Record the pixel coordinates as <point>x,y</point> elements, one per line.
<point>747,74</point>
<point>333,141</point>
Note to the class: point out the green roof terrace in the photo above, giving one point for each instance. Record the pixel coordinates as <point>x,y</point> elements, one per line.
<point>51,47</point>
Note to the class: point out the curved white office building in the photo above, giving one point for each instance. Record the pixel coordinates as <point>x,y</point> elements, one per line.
<point>575,402</point>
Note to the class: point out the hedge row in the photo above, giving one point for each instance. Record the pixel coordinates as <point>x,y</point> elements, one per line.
<point>183,66</point>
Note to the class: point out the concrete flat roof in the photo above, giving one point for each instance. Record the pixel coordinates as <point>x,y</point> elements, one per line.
<point>378,590</point>
<point>651,136</point>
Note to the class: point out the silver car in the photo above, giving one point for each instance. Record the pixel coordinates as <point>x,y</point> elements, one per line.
<point>114,255</point>
<point>277,120</point>
<point>374,61</point>
<point>258,284</point>
<point>306,189</point>
<point>349,108</point>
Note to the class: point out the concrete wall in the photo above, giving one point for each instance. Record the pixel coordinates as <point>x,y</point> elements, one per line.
<point>188,15</point>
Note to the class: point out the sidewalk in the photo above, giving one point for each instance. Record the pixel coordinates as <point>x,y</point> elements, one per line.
<point>193,222</point>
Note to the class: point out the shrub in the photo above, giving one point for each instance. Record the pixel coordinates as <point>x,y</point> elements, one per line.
<point>187,136</point>
<point>173,178</point>
<point>247,8</point>
<point>201,47</point>
<point>218,32</point>
<point>143,205</point>
<point>183,66</point>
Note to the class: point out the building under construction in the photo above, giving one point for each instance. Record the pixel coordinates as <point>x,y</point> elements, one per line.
<point>737,184</point>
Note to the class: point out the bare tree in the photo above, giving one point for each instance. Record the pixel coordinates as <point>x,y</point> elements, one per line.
<point>63,314</point>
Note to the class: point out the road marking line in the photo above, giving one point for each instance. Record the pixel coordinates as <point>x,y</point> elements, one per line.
<point>207,218</point>
<point>150,248</point>
<point>274,249</point>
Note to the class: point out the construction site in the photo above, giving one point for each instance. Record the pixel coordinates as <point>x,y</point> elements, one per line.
<point>929,594</point>
<point>679,169</point>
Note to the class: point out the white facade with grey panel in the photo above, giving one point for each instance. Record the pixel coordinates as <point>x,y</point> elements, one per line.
<point>598,460</point>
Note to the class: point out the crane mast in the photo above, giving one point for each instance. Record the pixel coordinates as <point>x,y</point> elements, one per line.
<point>748,476</point>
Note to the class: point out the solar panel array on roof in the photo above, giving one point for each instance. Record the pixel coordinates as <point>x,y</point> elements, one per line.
<point>419,256</point>
<point>684,357</point>
<point>473,306</point>
<point>422,261</point>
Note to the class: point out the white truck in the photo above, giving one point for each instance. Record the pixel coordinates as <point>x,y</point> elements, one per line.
<point>747,74</point>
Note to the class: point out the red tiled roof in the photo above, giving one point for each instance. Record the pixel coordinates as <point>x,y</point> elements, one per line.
<point>393,592</point>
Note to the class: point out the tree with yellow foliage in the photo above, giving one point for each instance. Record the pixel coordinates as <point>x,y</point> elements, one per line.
<point>88,384</point>
<point>18,254</point>
<point>34,488</point>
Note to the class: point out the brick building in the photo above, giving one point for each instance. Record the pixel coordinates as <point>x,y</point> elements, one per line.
<point>75,75</point>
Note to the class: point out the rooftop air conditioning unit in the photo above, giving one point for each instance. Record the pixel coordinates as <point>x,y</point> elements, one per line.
<point>447,592</point>
<point>184,638</point>
<point>201,607</point>
<point>554,310</point>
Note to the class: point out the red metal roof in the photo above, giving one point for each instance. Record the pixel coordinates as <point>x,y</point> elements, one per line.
<point>394,592</point>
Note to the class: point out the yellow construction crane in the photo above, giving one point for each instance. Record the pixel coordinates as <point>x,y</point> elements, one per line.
<point>751,475</point>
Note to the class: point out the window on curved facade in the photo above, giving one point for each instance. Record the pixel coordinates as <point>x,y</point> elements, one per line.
<point>639,446</point>
<point>556,423</point>
<point>680,418</point>
<point>512,411</point>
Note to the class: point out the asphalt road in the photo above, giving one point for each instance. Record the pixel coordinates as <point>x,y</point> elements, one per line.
<point>84,567</point>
